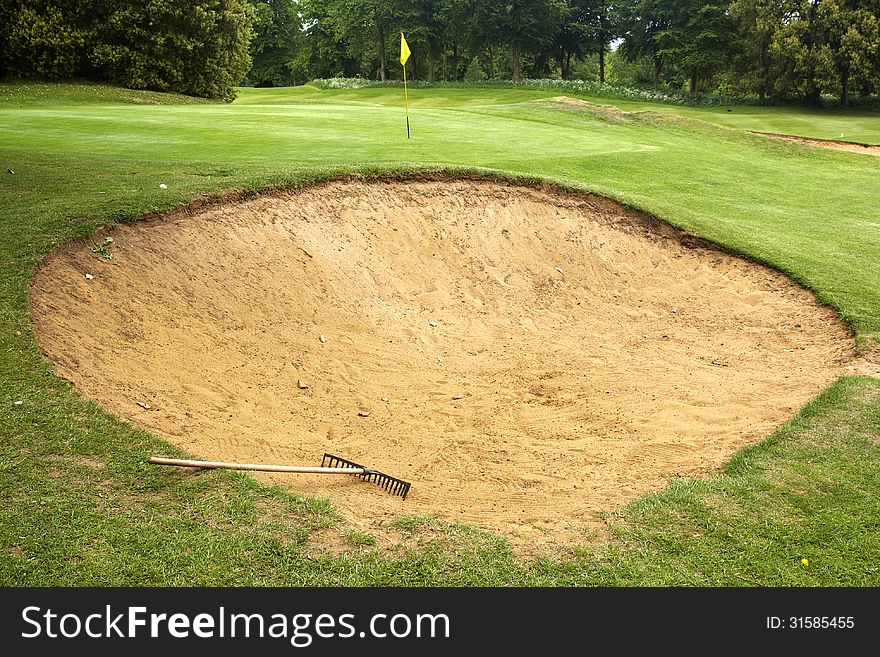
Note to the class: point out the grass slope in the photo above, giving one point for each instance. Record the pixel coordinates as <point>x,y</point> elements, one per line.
<point>79,506</point>
<point>859,126</point>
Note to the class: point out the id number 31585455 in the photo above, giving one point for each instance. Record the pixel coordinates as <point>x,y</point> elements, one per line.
<point>811,623</point>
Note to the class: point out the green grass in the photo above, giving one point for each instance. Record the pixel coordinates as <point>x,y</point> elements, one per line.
<point>860,126</point>
<point>78,504</point>
<point>26,93</point>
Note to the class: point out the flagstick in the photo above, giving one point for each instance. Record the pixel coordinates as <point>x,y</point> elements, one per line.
<point>406,101</point>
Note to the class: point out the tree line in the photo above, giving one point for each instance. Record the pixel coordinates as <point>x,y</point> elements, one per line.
<point>195,47</point>
<point>773,50</point>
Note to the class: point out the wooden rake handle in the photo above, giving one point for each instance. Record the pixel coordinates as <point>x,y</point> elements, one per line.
<point>185,463</point>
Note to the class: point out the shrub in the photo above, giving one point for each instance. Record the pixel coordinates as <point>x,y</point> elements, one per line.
<point>43,44</point>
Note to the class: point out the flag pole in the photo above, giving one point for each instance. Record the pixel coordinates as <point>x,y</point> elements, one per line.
<point>404,55</point>
<point>406,101</point>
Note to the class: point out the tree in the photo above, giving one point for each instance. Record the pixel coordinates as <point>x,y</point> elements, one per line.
<point>456,27</point>
<point>384,15</point>
<point>641,23</point>
<point>45,38</point>
<point>326,52</point>
<point>367,20</point>
<point>9,10</point>
<point>805,59</point>
<point>486,29</point>
<point>697,39</point>
<point>756,22</point>
<point>362,31</point>
<point>196,47</point>
<point>277,36</point>
<point>528,24</point>
<point>601,31</point>
<point>573,36</point>
<point>852,30</point>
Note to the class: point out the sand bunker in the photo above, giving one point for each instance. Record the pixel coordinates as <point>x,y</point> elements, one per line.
<point>528,359</point>
<point>834,144</point>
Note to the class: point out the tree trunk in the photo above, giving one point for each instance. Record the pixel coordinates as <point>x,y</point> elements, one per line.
<point>515,52</point>
<point>693,85</point>
<point>812,95</point>
<point>382,54</point>
<point>765,73</point>
<point>658,64</point>
<point>491,63</point>
<point>567,74</point>
<point>455,62</point>
<point>602,63</point>
<point>844,87</point>
<point>430,65</point>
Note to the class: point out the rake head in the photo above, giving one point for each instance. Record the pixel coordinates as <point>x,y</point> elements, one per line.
<point>393,485</point>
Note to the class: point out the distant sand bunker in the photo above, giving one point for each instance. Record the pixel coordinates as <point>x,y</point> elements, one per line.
<point>528,358</point>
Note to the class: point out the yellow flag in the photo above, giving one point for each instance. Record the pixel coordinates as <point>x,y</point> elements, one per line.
<point>404,50</point>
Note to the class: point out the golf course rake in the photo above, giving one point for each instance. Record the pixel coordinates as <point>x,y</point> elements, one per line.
<point>393,485</point>
<point>330,464</point>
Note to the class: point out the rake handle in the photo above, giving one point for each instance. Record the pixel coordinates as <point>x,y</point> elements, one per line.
<point>186,463</point>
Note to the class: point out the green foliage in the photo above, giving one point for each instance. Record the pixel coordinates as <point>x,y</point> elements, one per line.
<point>325,51</point>
<point>529,24</point>
<point>693,36</point>
<point>641,24</point>
<point>276,42</point>
<point>196,47</point>
<point>755,24</point>
<point>103,248</point>
<point>805,48</point>
<point>776,50</point>
<point>576,87</point>
<point>852,31</point>
<point>806,63</point>
<point>770,49</point>
<point>586,26</point>
<point>702,43</point>
<point>622,71</point>
<point>44,40</point>
<point>475,72</point>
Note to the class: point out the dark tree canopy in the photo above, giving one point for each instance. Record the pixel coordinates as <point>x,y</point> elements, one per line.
<point>277,38</point>
<point>196,47</point>
<point>771,49</point>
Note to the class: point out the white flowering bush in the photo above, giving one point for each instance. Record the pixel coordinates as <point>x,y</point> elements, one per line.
<point>579,87</point>
<point>342,83</point>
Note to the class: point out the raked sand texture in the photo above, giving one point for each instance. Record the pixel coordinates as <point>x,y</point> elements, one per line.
<point>527,359</point>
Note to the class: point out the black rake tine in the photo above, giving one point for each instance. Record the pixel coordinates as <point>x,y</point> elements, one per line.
<point>391,484</point>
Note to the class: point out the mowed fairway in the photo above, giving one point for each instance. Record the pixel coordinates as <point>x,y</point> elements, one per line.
<point>81,507</point>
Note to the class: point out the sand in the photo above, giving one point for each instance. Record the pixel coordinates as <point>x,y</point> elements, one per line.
<point>833,144</point>
<point>528,359</point>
